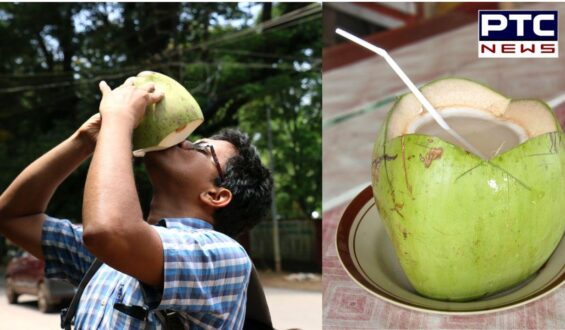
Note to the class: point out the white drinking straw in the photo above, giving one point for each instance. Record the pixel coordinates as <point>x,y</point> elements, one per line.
<point>427,105</point>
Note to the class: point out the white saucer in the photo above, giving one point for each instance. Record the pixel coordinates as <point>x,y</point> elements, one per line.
<point>367,254</point>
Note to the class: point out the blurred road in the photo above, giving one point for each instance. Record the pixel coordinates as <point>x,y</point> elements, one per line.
<point>290,309</point>
<point>294,309</point>
<point>24,315</point>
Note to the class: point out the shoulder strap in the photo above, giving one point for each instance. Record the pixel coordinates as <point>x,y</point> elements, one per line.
<point>170,320</point>
<point>67,314</point>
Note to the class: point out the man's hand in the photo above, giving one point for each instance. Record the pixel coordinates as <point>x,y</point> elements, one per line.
<point>88,132</point>
<point>114,229</point>
<point>127,102</point>
<point>23,203</point>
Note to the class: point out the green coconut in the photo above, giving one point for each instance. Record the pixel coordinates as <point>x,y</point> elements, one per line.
<point>462,226</point>
<point>169,121</point>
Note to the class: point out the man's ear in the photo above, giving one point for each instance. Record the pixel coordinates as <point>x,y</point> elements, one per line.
<point>216,197</point>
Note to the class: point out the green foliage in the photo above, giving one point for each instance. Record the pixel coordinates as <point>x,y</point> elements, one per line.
<point>236,65</point>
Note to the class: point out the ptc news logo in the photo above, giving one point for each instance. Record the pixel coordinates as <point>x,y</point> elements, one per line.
<point>518,33</point>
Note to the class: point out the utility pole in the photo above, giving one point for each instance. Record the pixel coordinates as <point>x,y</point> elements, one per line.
<point>276,245</point>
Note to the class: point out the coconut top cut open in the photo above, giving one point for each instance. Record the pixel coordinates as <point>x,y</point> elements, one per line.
<point>491,122</point>
<point>168,122</point>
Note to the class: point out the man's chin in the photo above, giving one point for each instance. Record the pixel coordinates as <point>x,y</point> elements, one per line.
<point>156,158</point>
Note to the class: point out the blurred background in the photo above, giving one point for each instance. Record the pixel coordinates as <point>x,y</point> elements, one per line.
<point>428,41</point>
<point>256,66</point>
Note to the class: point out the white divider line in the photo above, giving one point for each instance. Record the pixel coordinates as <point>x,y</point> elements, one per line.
<point>556,101</point>
<point>343,197</point>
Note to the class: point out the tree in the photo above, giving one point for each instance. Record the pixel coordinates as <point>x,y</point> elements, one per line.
<point>234,62</point>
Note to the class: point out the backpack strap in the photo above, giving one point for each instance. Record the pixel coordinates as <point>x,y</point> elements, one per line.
<point>67,314</point>
<point>169,319</point>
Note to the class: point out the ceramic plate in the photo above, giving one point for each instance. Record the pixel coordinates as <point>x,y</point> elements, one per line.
<point>367,254</point>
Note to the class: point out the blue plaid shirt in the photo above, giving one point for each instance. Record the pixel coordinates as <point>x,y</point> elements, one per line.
<point>205,278</point>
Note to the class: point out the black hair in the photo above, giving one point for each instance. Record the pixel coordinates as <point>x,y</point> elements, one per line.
<point>250,183</point>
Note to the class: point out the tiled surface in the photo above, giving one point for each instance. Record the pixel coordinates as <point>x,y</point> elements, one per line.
<point>348,306</point>
<point>347,150</point>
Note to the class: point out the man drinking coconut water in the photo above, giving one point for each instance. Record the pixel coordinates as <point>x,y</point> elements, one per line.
<point>182,259</point>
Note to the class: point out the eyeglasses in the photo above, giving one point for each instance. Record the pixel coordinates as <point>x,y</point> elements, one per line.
<point>202,147</point>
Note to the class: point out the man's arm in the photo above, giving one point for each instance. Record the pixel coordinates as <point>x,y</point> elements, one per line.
<point>23,204</point>
<point>114,228</point>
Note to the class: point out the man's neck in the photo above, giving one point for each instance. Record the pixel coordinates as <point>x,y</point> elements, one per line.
<point>165,207</point>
